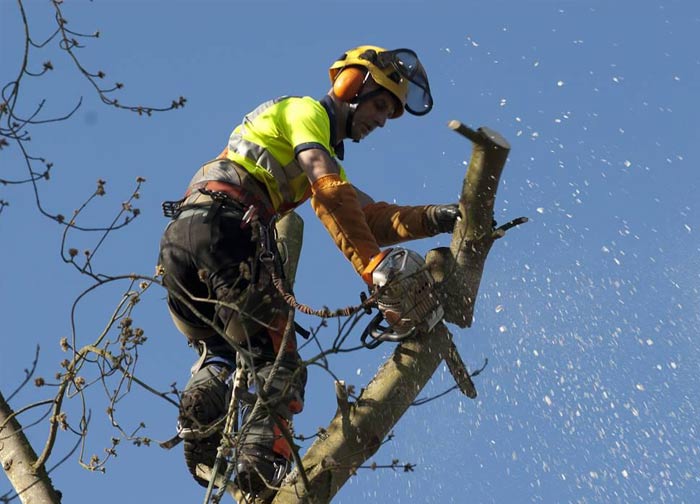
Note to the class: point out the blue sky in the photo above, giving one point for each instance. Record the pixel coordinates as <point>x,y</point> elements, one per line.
<point>588,315</point>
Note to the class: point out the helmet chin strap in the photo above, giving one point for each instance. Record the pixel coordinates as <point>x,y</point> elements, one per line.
<point>350,119</point>
<point>353,108</point>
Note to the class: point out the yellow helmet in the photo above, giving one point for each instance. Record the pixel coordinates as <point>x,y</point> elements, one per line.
<point>398,71</point>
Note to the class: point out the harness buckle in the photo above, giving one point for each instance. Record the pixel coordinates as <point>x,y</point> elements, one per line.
<point>171,209</point>
<point>249,216</point>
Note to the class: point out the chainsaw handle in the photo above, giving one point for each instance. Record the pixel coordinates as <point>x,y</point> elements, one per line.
<point>380,333</point>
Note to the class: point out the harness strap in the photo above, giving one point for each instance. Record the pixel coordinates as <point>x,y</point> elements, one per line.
<point>235,193</point>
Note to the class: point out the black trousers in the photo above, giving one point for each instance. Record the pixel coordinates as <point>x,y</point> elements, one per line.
<point>209,261</point>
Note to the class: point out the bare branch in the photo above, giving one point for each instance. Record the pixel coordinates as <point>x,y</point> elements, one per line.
<point>15,127</point>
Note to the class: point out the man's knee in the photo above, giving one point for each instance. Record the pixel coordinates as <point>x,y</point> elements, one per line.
<point>192,332</point>
<point>262,315</point>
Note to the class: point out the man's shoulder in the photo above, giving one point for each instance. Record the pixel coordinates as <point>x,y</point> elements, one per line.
<point>301,104</point>
<point>300,113</point>
<point>284,104</point>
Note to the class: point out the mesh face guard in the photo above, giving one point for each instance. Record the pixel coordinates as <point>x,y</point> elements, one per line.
<point>405,62</point>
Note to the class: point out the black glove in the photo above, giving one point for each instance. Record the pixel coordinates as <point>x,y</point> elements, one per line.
<point>442,218</point>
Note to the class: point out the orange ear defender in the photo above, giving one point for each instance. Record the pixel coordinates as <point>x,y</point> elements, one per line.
<point>349,82</point>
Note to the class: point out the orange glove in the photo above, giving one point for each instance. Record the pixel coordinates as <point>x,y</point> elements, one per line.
<point>335,203</point>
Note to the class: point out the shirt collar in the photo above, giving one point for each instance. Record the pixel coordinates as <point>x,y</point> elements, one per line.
<point>338,146</point>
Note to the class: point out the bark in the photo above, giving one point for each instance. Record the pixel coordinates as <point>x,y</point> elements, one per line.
<point>17,456</point>
<point>358,428</point>
<point>458,269</point>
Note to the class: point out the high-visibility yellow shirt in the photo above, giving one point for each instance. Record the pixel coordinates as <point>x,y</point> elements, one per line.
<point>270,137</point>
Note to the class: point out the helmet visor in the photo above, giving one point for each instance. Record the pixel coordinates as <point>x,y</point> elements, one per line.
<point>419,101</point>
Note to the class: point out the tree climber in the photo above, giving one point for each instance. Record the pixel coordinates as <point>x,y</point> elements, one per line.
<point>284,152</point>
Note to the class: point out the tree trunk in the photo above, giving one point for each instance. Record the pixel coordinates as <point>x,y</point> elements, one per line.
<point>358,429</point>
<point>18,457</point>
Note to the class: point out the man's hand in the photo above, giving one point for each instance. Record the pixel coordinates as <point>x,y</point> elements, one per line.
<point>442,218</point>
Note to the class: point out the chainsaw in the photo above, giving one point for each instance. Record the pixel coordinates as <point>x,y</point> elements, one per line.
<point>405,296</point>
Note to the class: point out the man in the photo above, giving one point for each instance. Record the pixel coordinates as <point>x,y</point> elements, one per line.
<point>221,296</point>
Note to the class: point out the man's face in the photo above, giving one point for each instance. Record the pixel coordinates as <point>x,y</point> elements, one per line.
<point>372,113</point>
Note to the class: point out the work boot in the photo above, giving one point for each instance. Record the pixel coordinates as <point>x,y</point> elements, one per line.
<point>263,453</point>
<point>258,470</point>
<point>203,409</point>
